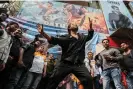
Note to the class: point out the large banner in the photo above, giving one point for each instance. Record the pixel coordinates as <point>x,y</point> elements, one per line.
<point>59,14</point>
<point>116,15</point>
<point>131,5</point>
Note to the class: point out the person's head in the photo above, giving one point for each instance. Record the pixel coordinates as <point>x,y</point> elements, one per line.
<point>90,55</point>
<point>105,43</point>
<point>36,43</point>
<point>115,9</point>
<point>83,10</point>
<point>72,27</point>
<point>124,46</point>
<point>14,29</point>
<point>42,48</point>
<point>49,5</point>
<point>3,14</point>
<point>51,56</point>
<point>68,7</point>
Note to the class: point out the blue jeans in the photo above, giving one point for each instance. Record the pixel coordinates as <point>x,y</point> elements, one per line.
<point>16,78</point>
<point>129,79</point>
<point>112,74</point>
<point>32,80</point>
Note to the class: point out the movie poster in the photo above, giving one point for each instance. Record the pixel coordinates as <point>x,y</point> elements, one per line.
<point>59,15</point>
<point>116,15</point>
<point>131,5</point>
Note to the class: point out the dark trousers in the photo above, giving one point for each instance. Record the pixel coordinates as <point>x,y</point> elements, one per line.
<point>16,78</point>
<point>64,68</point>
<point>97,84</point>
<point>44,82</point>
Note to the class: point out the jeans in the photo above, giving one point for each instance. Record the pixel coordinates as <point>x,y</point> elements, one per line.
<point>64,68</point>
<point>115,75</point>
<point>16,76</point>
<point>97,84</point>
<point>129,79</point>
<point>32,80</point>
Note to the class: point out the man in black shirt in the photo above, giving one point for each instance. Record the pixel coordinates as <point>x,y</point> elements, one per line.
<point>73,54</point>
<point>127,64</point>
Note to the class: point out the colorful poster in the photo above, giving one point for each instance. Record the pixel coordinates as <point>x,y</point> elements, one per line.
<point>59,14</point>
<point>131,5</point>
<point>116,15</point>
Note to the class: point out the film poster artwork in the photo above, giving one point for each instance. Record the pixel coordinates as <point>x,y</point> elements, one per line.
<point>116,15</point>
<point>59,14</point>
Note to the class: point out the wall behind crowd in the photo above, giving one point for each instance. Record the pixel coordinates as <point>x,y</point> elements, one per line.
<point>55,17</point>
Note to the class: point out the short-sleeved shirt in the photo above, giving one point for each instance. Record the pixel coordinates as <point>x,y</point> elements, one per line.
<point>38,63</point>
<point>28,56</point>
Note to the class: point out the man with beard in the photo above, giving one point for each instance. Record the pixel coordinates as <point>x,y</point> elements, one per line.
<point>73,54</point>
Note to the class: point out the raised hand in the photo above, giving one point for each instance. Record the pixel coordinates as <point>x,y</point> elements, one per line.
<point>40,28</point>
<point>90,23</point>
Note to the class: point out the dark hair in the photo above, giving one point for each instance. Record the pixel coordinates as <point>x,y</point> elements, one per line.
<point>90,52</point>
<point>12,23</point>
<point>114,7</point>
<point>50,3</point>
<point>105,39</point>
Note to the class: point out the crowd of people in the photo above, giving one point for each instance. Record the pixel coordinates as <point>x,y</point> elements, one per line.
<point>30,66</point>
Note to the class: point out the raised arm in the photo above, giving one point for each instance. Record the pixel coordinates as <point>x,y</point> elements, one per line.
<point>52,40</point>
<point>40,30</point>
<point>90,31</point>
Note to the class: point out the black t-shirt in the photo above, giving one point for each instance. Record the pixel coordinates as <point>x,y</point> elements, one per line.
<point>28,55</point>
<point>73,50</point>
<point>15,49</point>
<point>127,62</point>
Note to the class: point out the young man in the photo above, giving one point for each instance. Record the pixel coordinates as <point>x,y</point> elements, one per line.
<point>127,64</point>
<point>26,55</point>
<point>14,30</point>
<point>73,54</point>
<point>94,70</point>
<point>109,59</point>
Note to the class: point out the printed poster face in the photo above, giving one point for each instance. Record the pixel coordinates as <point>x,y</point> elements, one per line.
<point>116,15</point>
<point>59,14</point>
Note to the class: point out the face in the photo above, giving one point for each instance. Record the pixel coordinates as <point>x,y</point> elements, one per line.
<point>50,56</point>
<point>73,27</point>
<point>18,32</point>
<point>3,17</point>
<point>37,43</point>
<point>124,46</point>
<point>41,48</point>
<point>90,55</point>
<point>69,7</point>
<point>105,43</point>
<point>116,10</point>
<point>49,6</point>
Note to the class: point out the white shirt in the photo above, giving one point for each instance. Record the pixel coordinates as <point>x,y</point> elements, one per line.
<point>38,64</point>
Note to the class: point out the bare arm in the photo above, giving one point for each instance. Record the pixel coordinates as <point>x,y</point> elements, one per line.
<point>90,31</point>
<point>40,30</point>
<point>21,54</point>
